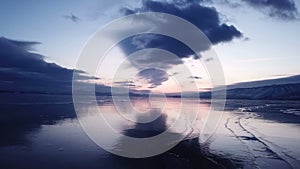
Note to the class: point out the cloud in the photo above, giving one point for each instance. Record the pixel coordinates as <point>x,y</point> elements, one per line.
<point>281,75</point>
<point>282,9</point>
<point>153,77</point>
<point>279,9</point>
<point>205,18</point>
<point>232,4</point>
<point>23,70</point>
<point>174,74</point>
<point>195,77</point>
<point>127,83</point>
<point>72,18</point>
<point>154,57</point>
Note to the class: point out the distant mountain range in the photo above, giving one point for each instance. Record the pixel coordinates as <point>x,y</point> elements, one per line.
<point>278,81</point>
<point>273,92</point>
<point>287,88</point>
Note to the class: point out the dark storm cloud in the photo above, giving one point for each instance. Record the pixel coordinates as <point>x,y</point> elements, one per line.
<point>26,45</point>
<point>14,56</point>
<point>23,70</point>
<point>153,77</point>
<point>205,18</point>
<point>284,9</point>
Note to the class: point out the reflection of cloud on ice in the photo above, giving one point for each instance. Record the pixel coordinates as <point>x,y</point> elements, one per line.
<point>152,128</point>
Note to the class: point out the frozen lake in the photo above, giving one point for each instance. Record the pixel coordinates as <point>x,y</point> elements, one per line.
<point>44,132</point>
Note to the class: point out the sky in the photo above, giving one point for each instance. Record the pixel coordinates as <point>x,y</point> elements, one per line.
<point>253,39</point>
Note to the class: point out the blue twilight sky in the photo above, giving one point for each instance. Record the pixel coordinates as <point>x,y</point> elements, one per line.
<point>269,47</point>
